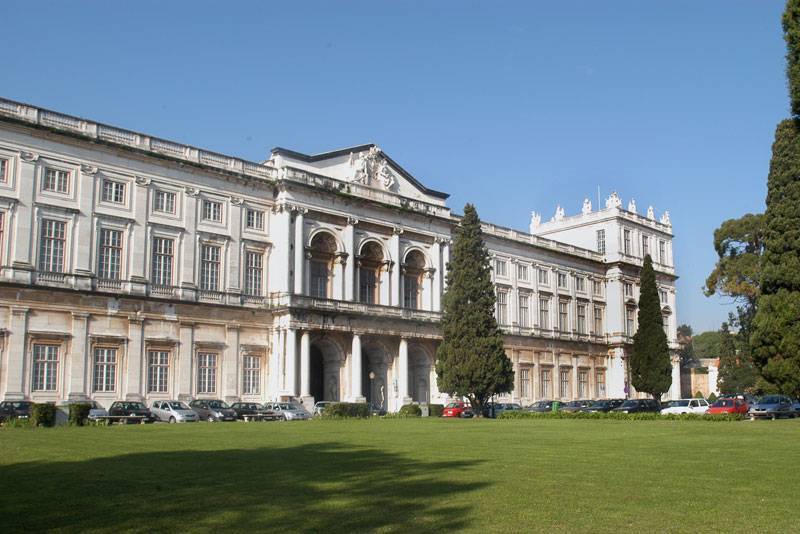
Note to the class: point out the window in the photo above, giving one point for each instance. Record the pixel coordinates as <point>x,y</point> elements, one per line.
<point>580,284</point>
<point>110,254</point>
<point>255,219</point>
<point>55,180</point>
<point>105,370</point>
<point>254,274</point>
<point>563,316</point>
<point>412,279</point>
<point>563,383</point>
<point>323,250</point>
<point>209,267</point>
<point>319,279</point>
<point>662,293</point>
<point>629,321</point>
<point>206,372</point>
<point>212,211</point>
<point>600,383</point>
<point>370,264</point>
<point>562,280</point>
<point>157,371</point>
<point>627,288</point>
<point>161,274</point>
<point>164,201</point>
<point>3,170</point>
<point>543,276</point>
<point>545,383</point>
<point>411,291</point>
<point>502,307</point>
<point>581,318</point>
<point>598,321</point>
<point>367,284</point>
<point>45,368</point>
<point>524,314</point>
<point>500,268</point>
<point>251,381</point>
<point>597,287</point>
<point>645,246</point>
<point>583,384</point>
<point>544,313</point>
<point>626,241</point>
<point>51,246</point>
<point>601,241</point>
<point>113,192</point>
<point>522,272</point>
<point>662,252</point>
<point>524,383</point>
<point>665,323</point>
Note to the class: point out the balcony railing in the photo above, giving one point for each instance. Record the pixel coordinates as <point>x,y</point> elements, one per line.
<point>340,306</point>
<point>213,296</point>
<point>50,277</point>
<point>163,291</point>
<point>108,284</point>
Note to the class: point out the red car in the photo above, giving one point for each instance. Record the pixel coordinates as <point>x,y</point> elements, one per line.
<point>728,405</point>
<point>457,409</point>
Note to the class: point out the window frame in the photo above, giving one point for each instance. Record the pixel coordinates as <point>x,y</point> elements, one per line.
<point>45,371</point>
<point>207,372</point>
<point>211,269</point>
<point>166,194</point>
<point>117,187</point>
<point>250,271</point>
<point>44,262</point>
<point>211,211</point>
<point>259,217</point>
<point>156,275</point>
<point>251,374</point>
<point>158,381</point>
<point>62,177</point>
<point>103,271</point>
<point>102,379</point>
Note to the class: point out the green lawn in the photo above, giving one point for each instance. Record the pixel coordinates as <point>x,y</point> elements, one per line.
<point>404,476</point>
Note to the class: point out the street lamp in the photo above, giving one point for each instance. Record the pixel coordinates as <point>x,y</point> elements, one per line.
<point>371,387</point>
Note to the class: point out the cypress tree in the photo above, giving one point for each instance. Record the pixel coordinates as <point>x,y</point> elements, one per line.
<point>470,361</point>
<point>776,327</point>
<point>651,369</point>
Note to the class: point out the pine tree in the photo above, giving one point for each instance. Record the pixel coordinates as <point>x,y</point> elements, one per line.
<point>735,370</point>
<point>776,327</point>
<point>651,369</point>
<point>471,361</point>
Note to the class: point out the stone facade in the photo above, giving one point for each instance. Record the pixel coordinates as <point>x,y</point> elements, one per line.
<point>134,267</point>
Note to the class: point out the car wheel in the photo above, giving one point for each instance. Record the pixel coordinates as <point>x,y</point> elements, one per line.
<point>210,419</point>
<point>172,420</point>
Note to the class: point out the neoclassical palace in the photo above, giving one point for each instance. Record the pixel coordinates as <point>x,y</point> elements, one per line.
<point>134,267</point>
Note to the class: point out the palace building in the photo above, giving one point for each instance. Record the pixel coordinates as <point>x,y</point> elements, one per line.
<point>134,267</point>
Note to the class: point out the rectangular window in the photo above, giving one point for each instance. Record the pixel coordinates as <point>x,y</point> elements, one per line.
<point>563,384</point>
<point>645,246</point>
<point>110,254</point>
<point>113,192</point>
<point>502,307</point>
<point>411,291</point>
<point>580,284</point>
<point>662,252</point>
<point>161,274</point>
<point>583,384</point>
<point>500,268</point>
<point>600,383</point>
<point>55,180</point>
<point>601,241</point>
<point>3,170</point>
<point>209,267</point>
<point>563,316</point>
<point>319,279</point>
<point>545,384</point>
<point>105,370</point>
<point>544,313</point>
<point>251,380</point>
<point>164,201</point>
<point>629,330</point>
<point>157,371</point>
<point>562,280</point>
<point>367,285</point>
<point>524,313</point>
<point>581,318</point>
<point>206,373</point>
<point>522,272</point>
<point>52,244</point>
<point>598,321</point>
<point>254,274</point>
<point>626,241</point>
<point>212,211</point>
<point>255,219</point>
<point>597,287</point>
<point>543,276</point>
<point>524,383</point>
<point>627,288</point>
<point>662,293</point>
<point>45,368</point>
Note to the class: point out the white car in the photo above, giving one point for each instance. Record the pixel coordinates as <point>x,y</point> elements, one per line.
<point>173,411</point>
<point>686,406</point>
<point>289,411</point>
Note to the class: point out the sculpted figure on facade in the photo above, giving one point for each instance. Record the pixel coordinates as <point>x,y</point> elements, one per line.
<point>536,220</point>
<point>613,201</point>
<point>559,213</point>
<point>632,206</point>
<point>587,206</point>
<point>665,219</point>
<point>372,166</point>
<point>650,213</point>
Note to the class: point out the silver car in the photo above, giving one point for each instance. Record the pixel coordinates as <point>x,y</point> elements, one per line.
<point>173,411</point>
<point>289,411</point>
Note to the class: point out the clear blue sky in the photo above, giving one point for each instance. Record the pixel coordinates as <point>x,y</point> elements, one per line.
<point>514,106</point>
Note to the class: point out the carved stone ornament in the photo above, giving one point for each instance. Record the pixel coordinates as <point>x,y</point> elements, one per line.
<point>396,230</point>
<point>352,221</point>
<point>613,201</point>
<point>650,213</point>
<point>632,206</point>
<point>192,191</point>
<point>88,169</point>
<point>559,213</point>
<point>665,219</point>
<point>237,201</point>
<point>142,180</point>
<point>587,206</point>
<point>372,168</point>
<point>536,220</point>
<point>28,156</point>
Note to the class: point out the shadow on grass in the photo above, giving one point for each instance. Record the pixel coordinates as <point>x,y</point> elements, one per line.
<point>316,487</point>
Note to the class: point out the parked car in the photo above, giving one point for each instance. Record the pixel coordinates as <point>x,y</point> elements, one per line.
<point>728,405</point>
<point>545,406</point>
<point>246,408</point>
<point>796,407</point>
<point>457,409</point>
<point>288,411</point>
<point>686,406</point>
<point>603,405</point>
<point>320,406</point>
<point>771,406</point>
<point>494,409</point>
<point>96,411</point>
<point>15,410</point>
<point>212,410</point>
<point>638,406</point>
<point>173,411</point>
<point>122,408</point>
<point>575,406</point>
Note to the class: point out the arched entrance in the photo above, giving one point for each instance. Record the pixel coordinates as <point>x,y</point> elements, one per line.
<point>374,373</point>
<point>419,375</point>
<point>325,368</point>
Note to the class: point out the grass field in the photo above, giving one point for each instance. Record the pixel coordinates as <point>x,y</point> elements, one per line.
<point>404,476</point>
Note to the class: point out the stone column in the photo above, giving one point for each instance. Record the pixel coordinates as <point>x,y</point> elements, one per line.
<point>22,259</point>
<point>230,366</point>
<point>84,228</point>
<point>299,251</point>
<point>445,261</point>
<point>136,357</point>
<point>77,357</point>
<point>675,387</point>
<point>188,275</point>
<point>14,373</point>
<point>349,248</point>
<point>185,348</point>
<point>355,370</point>
<point>536,394</point>
<point>235,251</point>
<point>305,365</point>
<point>290,386</point>
<point>402,372</point>
<point>574,376</point>
<point>436,253</point>
<point>394,250</point>
<point>137,236</point>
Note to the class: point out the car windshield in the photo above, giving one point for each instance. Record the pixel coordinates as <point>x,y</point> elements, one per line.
<point>723,403</point>
<point>218,405</point>
<point>453,405</point>
<point>131,405</point>
<point>677,403</point>
<point>770,399</point>
<point>630,403</point>
<point>178,406</point>
<point>287,406</point>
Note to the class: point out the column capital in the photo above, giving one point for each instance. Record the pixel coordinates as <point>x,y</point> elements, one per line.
<point>352,221</point>
<point>19,310</point>
<point>80,315</point>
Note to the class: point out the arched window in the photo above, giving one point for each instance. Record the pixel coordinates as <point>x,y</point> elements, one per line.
<point>370,263</point>
<point>413,269</point>
<point>322,250</point>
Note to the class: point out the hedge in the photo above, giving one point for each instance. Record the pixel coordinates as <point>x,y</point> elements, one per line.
<point>436,410</point>
<point>619,416</point>
<point>341,410</point>
<point>411,410</point>
<point>79,413</point>
<point>43,414</point>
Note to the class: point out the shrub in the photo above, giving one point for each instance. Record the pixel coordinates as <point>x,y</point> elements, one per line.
<point>645,416</point>
<point>411,409</point>
<point>79,413</point>
<point>346,410</point>
<point>699,395</point>
<point>43,414</point>
<point>712,397</point>
<point>16,422</point>
<point>436,410</point>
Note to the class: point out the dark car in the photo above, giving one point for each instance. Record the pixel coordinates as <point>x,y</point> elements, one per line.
<point>603,405</point>
<point>123,408</point>
<point>772,407</point>
<point>545,406</point>
<point>246,408</point>
<point>15,410</point>
<point>638,406</point>
<point>213,410</point>
<point>494,409</point>
<point>575,406</point>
